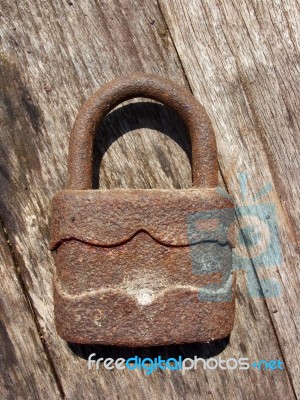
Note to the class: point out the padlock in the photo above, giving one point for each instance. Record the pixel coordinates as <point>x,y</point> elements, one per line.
<point>143,267</point>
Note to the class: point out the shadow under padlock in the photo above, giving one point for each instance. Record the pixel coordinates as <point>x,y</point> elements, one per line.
<point>131,117</point>
<point>124,257</point>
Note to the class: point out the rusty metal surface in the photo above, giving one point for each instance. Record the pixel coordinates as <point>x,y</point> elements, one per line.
<point>114,317</point>
<point>143,267</point>
<point>204,153</point>
<point>111,216</point>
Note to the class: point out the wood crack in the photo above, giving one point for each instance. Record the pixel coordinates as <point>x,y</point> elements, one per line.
<point>22,284</point>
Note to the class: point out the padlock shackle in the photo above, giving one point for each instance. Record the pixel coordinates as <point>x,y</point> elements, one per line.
<point>193,114</point>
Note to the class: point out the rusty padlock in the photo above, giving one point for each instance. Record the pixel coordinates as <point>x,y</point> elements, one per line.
<point>142,267</point>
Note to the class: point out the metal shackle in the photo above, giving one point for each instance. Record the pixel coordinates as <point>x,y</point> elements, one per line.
<point>193,114</point>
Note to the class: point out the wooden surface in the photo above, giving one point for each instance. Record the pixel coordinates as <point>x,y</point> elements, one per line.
<point>241,60</point>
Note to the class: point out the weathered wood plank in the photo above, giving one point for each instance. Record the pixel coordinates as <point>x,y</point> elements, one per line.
<point>25,371</point>
<point>242,62</point>
<point>54,55</point>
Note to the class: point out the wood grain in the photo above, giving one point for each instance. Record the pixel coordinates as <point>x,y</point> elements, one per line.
<point>54,54</point>
<point>26,370</point>
<point>242,61</point>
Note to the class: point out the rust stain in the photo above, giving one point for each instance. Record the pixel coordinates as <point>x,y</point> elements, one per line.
<point>124,266</point>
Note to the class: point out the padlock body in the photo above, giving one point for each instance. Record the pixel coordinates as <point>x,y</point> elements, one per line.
<point>143,267</point>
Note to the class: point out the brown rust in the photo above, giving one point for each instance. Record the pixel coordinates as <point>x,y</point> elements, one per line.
<point>143,267</point>
<point>204,153</point>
